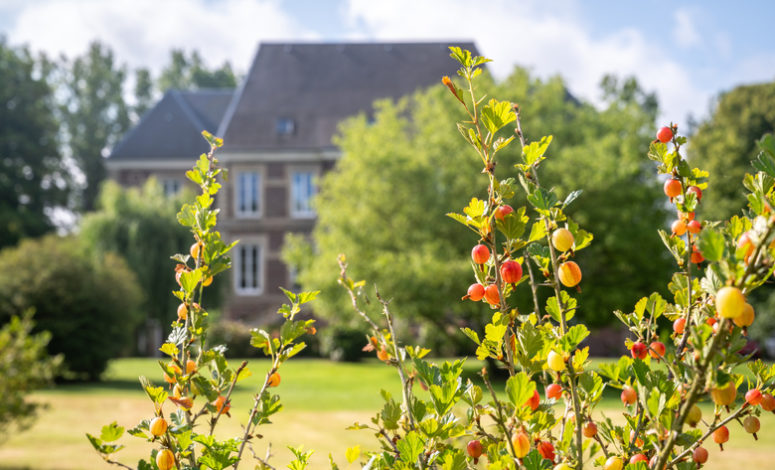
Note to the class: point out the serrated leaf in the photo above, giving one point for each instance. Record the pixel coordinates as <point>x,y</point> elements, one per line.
<point>519,388</point>
<point>410,447</point>
<point>711,244</point>
<point>497,114</point>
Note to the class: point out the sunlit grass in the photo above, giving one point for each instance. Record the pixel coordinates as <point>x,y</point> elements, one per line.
<point>320,399</point>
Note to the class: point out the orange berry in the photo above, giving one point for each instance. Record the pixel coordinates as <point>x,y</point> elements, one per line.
<point>491,295</point>
<point>679,325</point>
<point>190,367</point>
<point>480,254</point>
<point>476,292</point>
<point>700,455</point>
<point>730,302</point>
<point>589,429</point>
<point>195,250</point>
<point>207,281</point>
<point>562,239</point>
<point>383,355</point>
<point>553,391</point>
<point>182,312</point>
<point>629,395</point>
<point>221,406</point>
<point>274,380</point>
<point>165,459</point>
<point>745,318</point>
<point>678,227</point>
<point>158,426</point>
<point>768,402</point>
<point>569,273</point>
<point>721,435</point>
<point>521,443</point>
<point>672,188</point>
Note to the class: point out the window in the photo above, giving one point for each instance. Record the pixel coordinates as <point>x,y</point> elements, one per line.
<point>171,186</point>
<point>284,126</point>
<point>249,269</point>
<point>248,194</point>
<point>302,191</point>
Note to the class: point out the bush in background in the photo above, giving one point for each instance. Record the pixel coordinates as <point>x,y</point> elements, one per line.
<point>90,306</point>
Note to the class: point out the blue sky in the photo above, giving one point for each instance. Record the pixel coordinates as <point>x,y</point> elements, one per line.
<point>686,51</point>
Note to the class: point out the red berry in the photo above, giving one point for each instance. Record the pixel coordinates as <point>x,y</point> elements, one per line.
<point>638,350</point>
<point>694,226</point>
<point>695,190</point>
<point>629,395</point>
<point>511,272</point>
<point>553,391</point>
<point>476,292</point>
<point>480,254</point>
<point>533,401</point>
<point>474,449</point>
<point>657,349</point>
<point>546,449</point>
<point>696,256</point>
<point>638,458</point>
<point>672,187</point>
<point>768,402</point>
<point>679,227</point>
<point>502,211</point>
<point>679,325</point>
<point>589,429</point>
<point>721,435</point>
<point>491,295</point>
<point>665,135</point>
<point>753,397</point>
<point>700,455</point>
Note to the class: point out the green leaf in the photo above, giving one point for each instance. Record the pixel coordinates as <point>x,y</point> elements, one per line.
<point>575,335</point>
<point>410,447</point>
<point>169,349</point>
<point>497,114</point>
<point>475,208</point>
<point>471,334</point>
<point>534,152</point>
<point>542,199</point>
<point>111,432</point>
<point>519,388</point>
<point>711,244</point>
<point>534,461</point>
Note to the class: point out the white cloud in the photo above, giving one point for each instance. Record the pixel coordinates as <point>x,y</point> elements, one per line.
<point>685,32</point>
<point>549,39</point>
<point>141,32</point>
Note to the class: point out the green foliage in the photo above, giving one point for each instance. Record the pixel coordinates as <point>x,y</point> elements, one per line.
<point>94,115</point>
<point>24,366</point>
<point>139,224</point>
<point>90,306</point>
<point>189,72</point>
<point>402,171</point>
<point>32,176</point>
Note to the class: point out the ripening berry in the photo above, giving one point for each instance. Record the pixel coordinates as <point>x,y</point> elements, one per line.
<point>533,401</point>
<point>721,435</point>
<point>555,361</point>
<point>182,312</point>
<point>672,187</point>
<point>638,441</point>
<point>491,295</point>
<point>638,458</point>
<point>745,318</point>
<point>754,397</point>
<point>657,349</point>
<point>745,244</point>
<point>207,281</point>
<point>274,379</point>
<point>629,395</point>
<point>546,449</point>
<point>694,416</point>
<point>502,211</point>
<point>165,459</point>
<point>195,249</point>
<point>665,134</point>
<point>476,292</point>
<point>569,273</point>
<point>562,239</point>
<point>695,190</point>
<point>589,430</point>
<point>480,254</point>
<point>730,302</point>
<point>638,350</point>
<point>700,455</point>
<point>553,391</point>
<point>221,405</point>
<point>511,272</point>
<point>521,443</point>
<point>613,463</point>
<point>190,367</point>
<point>768,402</point>
<point>696,256</point>
<point>679,325</point>
<point>751,424</point>
<point>474,449</point>
<point>678,228</point>
<point>170,379</point>
<point>694,226</point>
<point>725,395</point>
<point>158,426</point>
<point>382,355</point>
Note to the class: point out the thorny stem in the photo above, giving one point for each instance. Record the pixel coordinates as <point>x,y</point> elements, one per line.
<point>214,421</point>
<point>500,421</point>
<point>118,464</point>
<point>710,431</point>
<point>254,410</point>
<point>534,290</point>
<point>265,460</point>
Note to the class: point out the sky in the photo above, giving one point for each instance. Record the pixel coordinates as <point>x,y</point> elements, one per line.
<point>686,51</point>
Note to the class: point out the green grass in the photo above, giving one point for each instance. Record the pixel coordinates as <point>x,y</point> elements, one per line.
<point>320,400</point>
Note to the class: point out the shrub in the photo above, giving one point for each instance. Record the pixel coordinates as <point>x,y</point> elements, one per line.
<point>90,306</point>
<point>24,366</point>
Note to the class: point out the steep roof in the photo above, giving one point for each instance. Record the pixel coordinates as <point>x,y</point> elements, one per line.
<point>304,90</point>
<point>172,129</point>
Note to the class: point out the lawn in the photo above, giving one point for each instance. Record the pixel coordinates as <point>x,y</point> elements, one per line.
<point>320,400</point>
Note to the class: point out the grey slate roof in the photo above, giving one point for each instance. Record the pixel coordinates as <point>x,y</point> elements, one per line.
<point>317,85</point>
<point>172,129</point>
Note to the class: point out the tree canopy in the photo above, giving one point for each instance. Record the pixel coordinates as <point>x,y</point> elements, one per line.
<point>189,72</point>
<point>403,169</point>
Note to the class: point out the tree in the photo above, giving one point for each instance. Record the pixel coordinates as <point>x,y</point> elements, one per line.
<point>90,305</point>
<point>33,179</point>
<point>94,114</point>
<point>189,72</point>
<point>24,366</point>
<point>725,144</point>
<point>384,203</point>
<point>140,225</point>
<point>143,93</point>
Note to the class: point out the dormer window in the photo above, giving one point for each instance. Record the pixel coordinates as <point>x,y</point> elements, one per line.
<point>284,126</point>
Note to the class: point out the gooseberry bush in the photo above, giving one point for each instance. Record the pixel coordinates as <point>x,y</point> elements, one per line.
<point>681,351</point>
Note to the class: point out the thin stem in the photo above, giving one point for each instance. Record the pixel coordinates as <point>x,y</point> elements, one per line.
<point>214,421</point>
<point>710,431</point>
<point>254,410</point>
<point>500,421</point>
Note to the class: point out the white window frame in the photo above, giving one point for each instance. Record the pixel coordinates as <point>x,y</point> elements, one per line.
<point>295,213</point>
<point>171,186</point>
<point>240,191</point>
<point>258,274</point>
